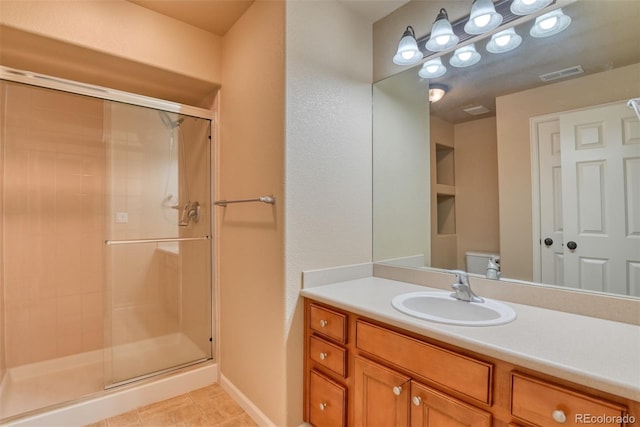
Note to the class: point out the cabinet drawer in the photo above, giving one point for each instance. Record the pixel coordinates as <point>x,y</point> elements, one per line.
<point>546,404</point>
<point>328,323</point>
<point>329,355</point>
<point>460,373</point>
<point>327,401</point>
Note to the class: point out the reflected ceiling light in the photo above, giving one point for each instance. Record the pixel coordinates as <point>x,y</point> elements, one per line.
<point>483,17</point>
<point>442,36</point>
<point>465,56</point>
<point>408,52</point>
<point>437,91</point>
<point>432,69</point>
<point>525,7</point>
<point>550,24</point>
<point>504,41</point>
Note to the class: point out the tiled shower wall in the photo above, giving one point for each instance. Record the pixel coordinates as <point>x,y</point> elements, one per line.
<point>71,163</point>
<point>53,224</point>
<point>143,281</point>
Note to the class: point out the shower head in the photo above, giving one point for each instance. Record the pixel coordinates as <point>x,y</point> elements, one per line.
<point>166,120</point>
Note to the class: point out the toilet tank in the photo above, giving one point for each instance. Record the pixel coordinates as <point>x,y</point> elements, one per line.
<point>477,262</point>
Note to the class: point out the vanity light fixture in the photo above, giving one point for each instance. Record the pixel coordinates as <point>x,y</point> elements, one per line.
<point>550,24</point>
<point>483,17</point>
<point>437,91</point>
<point>408,52</point>
<point>526,7</point>
<point>504,41</point>
<point>442,36</point>
<point>465,56</point>
<point>432,69</point>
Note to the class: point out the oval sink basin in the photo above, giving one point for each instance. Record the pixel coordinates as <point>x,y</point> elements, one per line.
<point>442,308</point>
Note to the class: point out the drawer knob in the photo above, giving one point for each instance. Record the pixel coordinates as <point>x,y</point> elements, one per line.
<point>323,406</point>
<point>417,400</point>
<point>559,416</point>
<point>397,390</point>
<point>323,323</point>
<point>323,356</point>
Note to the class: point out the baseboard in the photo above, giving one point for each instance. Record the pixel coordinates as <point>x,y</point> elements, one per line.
<point>249,407</point>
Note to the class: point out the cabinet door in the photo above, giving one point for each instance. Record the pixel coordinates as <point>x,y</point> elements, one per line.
<point>381,396</point>
<point>435,409</point>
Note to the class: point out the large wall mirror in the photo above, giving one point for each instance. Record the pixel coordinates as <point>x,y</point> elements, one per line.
<point>483,172</point>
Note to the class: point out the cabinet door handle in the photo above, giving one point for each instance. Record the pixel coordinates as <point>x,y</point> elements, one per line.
<point>323,356</point>
<point>323,406</point>
<point>559,416</point>
<point>417,400</point>
<point>397,390</point>
<point>323,323</point>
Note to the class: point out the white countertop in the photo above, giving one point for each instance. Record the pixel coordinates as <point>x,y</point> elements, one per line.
<point>597,353</point>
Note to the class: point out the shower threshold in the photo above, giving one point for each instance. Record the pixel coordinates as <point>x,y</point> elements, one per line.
<point>52,383</point>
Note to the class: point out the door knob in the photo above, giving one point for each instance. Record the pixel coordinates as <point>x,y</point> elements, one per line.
<point>572,245</point>
<point>548,241</point>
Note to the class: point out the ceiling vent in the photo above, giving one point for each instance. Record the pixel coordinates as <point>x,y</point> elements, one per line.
<point>561,74</point>
<point>476,110</point>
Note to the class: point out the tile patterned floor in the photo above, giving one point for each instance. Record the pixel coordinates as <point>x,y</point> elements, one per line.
<point>207,407</point>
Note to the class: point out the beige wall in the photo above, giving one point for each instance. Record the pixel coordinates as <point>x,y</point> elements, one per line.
<point>251,258</point>
<point>476,159</point>
<point>443,246</point>
<point>514,156</point>
<point>475,178</point>
<point>93,42</point>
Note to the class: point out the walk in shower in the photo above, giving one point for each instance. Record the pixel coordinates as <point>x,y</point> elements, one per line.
<point>106,247</point>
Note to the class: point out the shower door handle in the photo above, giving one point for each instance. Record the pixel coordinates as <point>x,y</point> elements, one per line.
<point>158,240</point>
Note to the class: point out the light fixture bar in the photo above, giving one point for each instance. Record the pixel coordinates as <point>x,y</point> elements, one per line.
<point>503,7</point>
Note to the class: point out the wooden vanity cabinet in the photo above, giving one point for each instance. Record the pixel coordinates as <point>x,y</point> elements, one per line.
<point>326,361</point>
<point>359,372</point>
<point>432,408</point>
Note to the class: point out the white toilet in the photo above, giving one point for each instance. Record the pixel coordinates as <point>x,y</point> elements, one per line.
<point>477,262</point>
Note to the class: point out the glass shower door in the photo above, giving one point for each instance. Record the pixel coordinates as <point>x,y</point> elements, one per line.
<point>158,248</point>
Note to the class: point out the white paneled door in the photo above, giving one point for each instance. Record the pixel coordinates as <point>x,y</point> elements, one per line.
<point>590,199</point>
<point>552,227</point>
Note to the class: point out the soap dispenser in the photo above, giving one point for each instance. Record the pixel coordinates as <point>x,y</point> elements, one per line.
<point>493,268</point>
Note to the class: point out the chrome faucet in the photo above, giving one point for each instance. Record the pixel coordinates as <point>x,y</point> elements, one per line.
<point>462,288</point>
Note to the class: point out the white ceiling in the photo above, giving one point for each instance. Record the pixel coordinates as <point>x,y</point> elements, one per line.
<point>214,16</point>
<point>217,16</point>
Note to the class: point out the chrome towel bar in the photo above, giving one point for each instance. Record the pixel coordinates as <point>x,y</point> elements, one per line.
<point>160,240</point>
<point>271,200</point>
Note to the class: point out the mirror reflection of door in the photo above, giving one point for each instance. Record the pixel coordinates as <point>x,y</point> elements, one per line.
<point>590,199</point>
